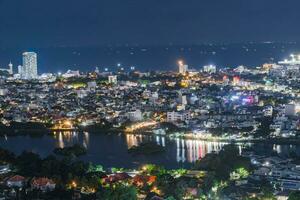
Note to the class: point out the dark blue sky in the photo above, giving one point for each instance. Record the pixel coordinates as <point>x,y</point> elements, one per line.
<point>42,23</point>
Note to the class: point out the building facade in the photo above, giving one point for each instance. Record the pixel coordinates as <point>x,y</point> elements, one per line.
<point>29,68</point>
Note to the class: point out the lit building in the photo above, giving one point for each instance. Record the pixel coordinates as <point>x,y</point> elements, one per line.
<point>20,68</point>
<point>182,99</point>
<point>240,69</point>
<point>97,71</point>
<point>268,111</point>
<point>225,80</point>
<point>289,68</point>
<point>29,69</point>
<point>290,110</point>
<point>81,93</point>
<point>295,60</point>
<point>71,73</point>
<point>182,68</point>
<point>3,92</point>
<point>112,79</point>
<point>211,69</point>
<point>9,70</point>
<point>135,116</point>
<point>92,85</point>
<point>178,116</point>
<point>236,80</point>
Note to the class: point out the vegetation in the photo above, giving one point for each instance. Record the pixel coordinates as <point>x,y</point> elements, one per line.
<point>170,127</point>
<point>118,192</point>
<point>30,128</point>
<point>72,175</point>
<point>146,149</point>
<point>294,196</point>
<point>76,150</point>
<point>227,161</point>
<point>264,128</point>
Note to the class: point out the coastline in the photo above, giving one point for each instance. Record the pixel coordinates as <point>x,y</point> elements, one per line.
<point>9,132</point>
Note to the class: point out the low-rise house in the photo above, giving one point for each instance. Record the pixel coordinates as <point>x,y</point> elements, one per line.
<point>16,181</point>
<point>43,184</point>
<point>116,177</point>
<point>141,181</point>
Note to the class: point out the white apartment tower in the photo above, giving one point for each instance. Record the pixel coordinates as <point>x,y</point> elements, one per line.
<point>10,68</point>
<point>183,69</point>
<point>29,68</point>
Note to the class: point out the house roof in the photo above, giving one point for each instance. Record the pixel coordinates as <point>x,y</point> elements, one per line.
<point>16,178</point>
<point>42,181</point>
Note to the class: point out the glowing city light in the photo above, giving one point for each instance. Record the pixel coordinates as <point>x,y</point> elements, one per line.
<point>180,62</point>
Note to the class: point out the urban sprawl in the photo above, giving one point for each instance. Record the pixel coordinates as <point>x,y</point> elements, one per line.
<point>238,105</point>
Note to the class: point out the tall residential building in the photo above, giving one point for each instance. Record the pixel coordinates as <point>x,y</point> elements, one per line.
<point>20,70</point>
<point>10,68</point>
<point>97,71</point>
<point>182,68</point>
<point>29,70</point>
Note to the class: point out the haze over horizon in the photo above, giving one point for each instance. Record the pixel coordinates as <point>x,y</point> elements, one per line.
<point>33,23</point>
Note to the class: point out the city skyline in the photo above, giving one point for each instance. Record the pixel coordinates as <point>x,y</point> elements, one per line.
<point>150,99</point>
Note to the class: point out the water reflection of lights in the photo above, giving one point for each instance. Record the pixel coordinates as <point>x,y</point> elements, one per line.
<point>60,140</point>
<point>187,150</point>
<point>135,140</point>
<point>69,138</point>
<point>86,139</point>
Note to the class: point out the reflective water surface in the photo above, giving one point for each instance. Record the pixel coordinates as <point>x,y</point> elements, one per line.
<point>111,150</point>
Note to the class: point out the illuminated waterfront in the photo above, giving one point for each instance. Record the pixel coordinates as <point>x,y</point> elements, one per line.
<point>111,150</point>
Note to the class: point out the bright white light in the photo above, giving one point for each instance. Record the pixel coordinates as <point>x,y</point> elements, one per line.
<point>180,62</point>
<point>267,163</point>
<point>235,97</point>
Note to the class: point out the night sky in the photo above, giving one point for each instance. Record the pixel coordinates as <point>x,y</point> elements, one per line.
<point>43,23</point>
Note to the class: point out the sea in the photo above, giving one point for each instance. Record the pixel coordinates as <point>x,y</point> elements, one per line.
<point>147,58</point>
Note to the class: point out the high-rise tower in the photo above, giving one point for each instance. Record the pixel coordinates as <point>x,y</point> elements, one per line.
<point>29,65</point>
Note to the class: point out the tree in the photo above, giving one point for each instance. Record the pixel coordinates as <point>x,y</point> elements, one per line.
<point>294,196</point>
<point>50,167</point>
<point>166,183</point>
<point>170,198</point>
<point>267,194</point>
<point>95,168</point>
<point>6,156</point>
<point>29,164</point>
<point>118,192</point>
<point>224,163</point>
